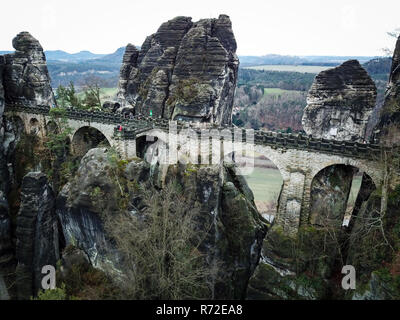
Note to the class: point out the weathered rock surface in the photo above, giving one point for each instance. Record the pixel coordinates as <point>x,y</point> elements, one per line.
<point>3,290</point>
<point>128,70</point>
<point>2,130</point>
<point>37,233</point>
<point>223,198</point>
<point>26,78</point>
<point>184,71</point>
<point>81,218</point>
<point>2,62</point>
<point>339,103</point>
<point>6,250</point>
<point>388,127</point>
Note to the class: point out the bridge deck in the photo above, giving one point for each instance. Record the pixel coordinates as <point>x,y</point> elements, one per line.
<point>131,127</point>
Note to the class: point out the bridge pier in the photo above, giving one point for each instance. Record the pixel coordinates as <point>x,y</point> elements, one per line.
<point>291,203</point>
<point>126,148</point>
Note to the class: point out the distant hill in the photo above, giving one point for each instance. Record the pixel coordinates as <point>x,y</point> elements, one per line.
<point>378,66</point>
<point>275,59</point>
<point>59,55</point>
<point>115,57</point>
<point>65,67</point>
<point>69,57</point>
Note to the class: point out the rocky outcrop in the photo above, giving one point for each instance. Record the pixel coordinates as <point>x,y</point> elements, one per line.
<point>184,71</point>
<point>5,231</point>
<point>388,128</point>
<point>26,78</point>
<point>229,219</point>
<point>128,70</point>
<point>6,250</point>
<point>3,165</point>
<point>81,218</point>
<point>2,62</point>
<point>37,234</point>
<point>3,290</point>
<point>339,103</point>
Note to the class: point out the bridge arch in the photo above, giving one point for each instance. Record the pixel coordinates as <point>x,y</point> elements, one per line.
<point>86,138</point>
<point>151,145</point>
<point>34,125</point>
<point>17,124</point>
<point>52,127</point>
<point>370,168</point>
<point>334,191</point>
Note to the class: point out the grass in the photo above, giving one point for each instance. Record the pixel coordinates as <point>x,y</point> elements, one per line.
<point>291,68</point>
<point>105,94</point>
<point>355,188</point>
<point>265,183</point>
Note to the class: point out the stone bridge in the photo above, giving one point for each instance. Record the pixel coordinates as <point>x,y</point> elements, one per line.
<point>299,158</point>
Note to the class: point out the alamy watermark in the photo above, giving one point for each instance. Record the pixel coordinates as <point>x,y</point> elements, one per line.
<point>349,280</point>
<point>204,146</point>
<point>49,280</point>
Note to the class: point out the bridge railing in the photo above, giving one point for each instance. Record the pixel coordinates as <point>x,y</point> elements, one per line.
<point>133,126</point>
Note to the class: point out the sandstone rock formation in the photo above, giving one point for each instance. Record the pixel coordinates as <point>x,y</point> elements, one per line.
<point>2,62</point>
<point>6,251</point>
<point>26,78</point>
<point>6,248</point>
<point>388,127</point>
<point>228,213</point>
<point>37,233</point>
<point>339,103</point>
<point>128,69</point>
<point>3,165</point>
<point>3,290</point>
<point>81,219</point>
<point>374,253</point>
<point>184,71</point>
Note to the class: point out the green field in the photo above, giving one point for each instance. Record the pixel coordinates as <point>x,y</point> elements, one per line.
<point>265,183</point>
<point>291,68</point>
<point>108,93</point>
<point>355,187</point>
<point>105,94</point>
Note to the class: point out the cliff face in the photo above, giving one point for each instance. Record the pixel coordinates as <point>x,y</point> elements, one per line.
<point>6,252</point>
<point>374,251</point>
<point>91,203</point>
<point>26,78</point>
<point>388,127</point>
<point>37,234</point>
<point>339,103</point>
<point>2,130</point>
<point>184,71</point>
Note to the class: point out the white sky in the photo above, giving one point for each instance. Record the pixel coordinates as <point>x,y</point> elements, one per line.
<point>302,27</point>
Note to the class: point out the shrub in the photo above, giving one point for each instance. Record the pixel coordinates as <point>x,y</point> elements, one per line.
<point>160,246</point>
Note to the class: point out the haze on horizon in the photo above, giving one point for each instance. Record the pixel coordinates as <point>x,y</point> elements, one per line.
<point>287,27</point>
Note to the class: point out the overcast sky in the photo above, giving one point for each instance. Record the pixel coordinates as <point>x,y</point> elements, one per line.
<point>302,27</point>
